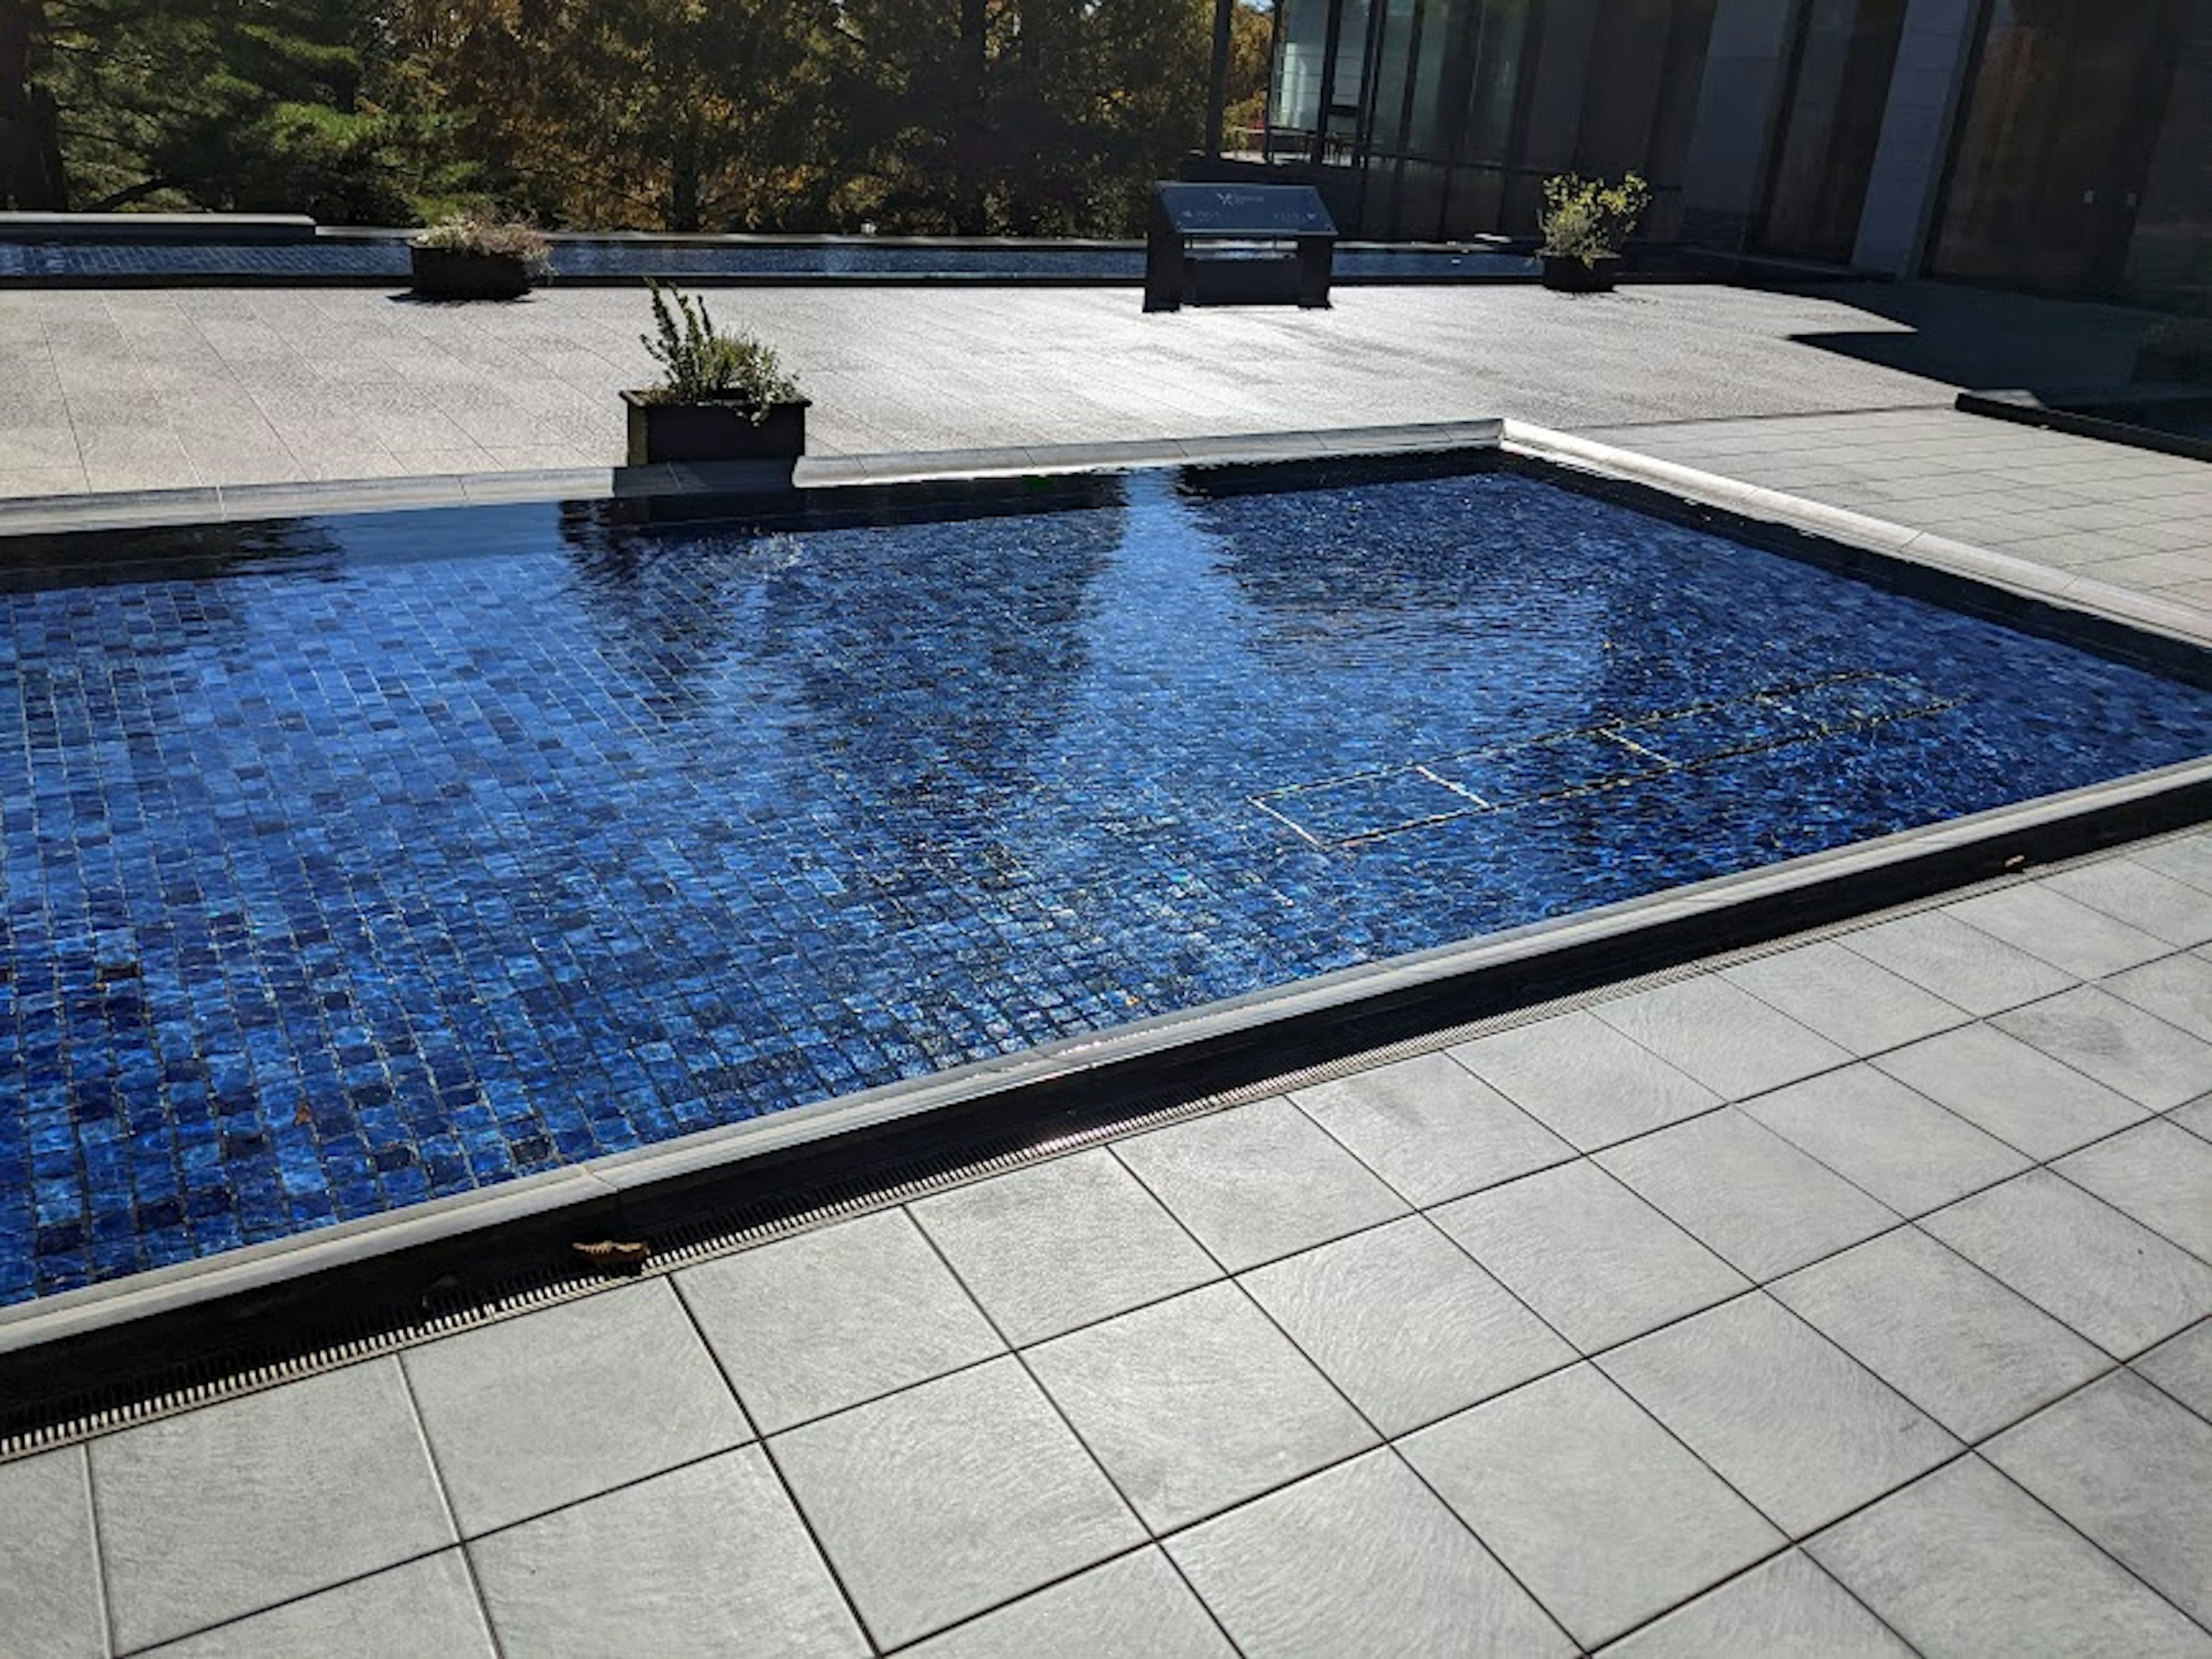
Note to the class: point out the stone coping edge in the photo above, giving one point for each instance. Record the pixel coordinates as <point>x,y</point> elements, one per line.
<point>2142,612</point>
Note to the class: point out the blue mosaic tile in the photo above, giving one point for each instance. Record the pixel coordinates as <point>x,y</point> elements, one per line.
<point>398,856</point>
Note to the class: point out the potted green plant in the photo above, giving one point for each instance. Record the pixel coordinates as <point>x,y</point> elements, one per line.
<point>723,395</point>
<point>1585,221</point>
<point>471,256</point>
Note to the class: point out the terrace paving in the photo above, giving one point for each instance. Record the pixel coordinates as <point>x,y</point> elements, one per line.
<point>1841,394</point>
<point>1860,1346</point>
<point>1851,1298</point>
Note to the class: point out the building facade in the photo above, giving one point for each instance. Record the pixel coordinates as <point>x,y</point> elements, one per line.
<point>2061,146</point>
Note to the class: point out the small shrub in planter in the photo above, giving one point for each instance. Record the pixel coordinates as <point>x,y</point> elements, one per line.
<point>1585,221</point>
<point>471,257</point>
<point>723,395</point>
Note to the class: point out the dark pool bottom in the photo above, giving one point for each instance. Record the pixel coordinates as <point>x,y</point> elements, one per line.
<point>378,858</point>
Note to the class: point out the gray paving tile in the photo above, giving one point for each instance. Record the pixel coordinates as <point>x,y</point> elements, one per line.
<point>1784,1416</point>
<point>2109,1277</point>
<point>1596,1260</point>
<point>1135,1607</point>
<point>1961,964</point>
<point>1971,1353</point>
<point>1845,998</point>
<point>1195,1404</point>
<point>530,1413</point>
<point>2131,1469</point>
<point>1585,1080</point>
<point>1362,1558</point>
<point>2182,1365</point>
<point>1721,1034</point>
<point>1966,1563</point>
<point>1048,1249</point>
<point>2155,1172</point>
<point>951,1496</point>
<point>2014,1091</point>
<point>427,1608</point>
<point>50,1598</point>
<point>1432,1128</point>
<point>1896,1144</point>
<point>1598,1511</point>
<point>814,1323</point>
<point>1405,1324</point>
<point>1785,1608</point>
<point>2173,910</point>
<point>1258,1182</point>
<point>226,1509</point>
<point>710,1558</point>
<point>2178,989</point>
<point>1747,1195</point>
<point>2188,858</point>
<point>2147,1060</point>
<point>2042,922</point>
<point>2196,1117</point>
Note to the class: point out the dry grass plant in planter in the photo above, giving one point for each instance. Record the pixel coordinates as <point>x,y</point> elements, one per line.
<point>1585,222</point>
<point>723,395</point>
<point>474,256</point>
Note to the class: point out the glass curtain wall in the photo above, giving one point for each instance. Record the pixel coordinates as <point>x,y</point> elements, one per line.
<point>1842,56</point>
<point>1471,103</point>
<point>2068,106</point>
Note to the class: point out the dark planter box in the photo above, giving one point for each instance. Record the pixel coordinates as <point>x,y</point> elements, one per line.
<point>1569,275</point>
<point>713,432</point>
<point>445,273</point>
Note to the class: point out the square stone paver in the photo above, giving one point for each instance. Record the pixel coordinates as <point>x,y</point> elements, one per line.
<point>2132,1470</point>
<point>1048,1249</point>
<point>1750,1196</point>
<point>1894,1143</point>
<point>2155,1172</point>
<point>1845,998</point>
<point>2108,1276</point>
<point>2178,989</point>
<point>1721,1034</point>
<point>1360,1558</point>
<point>237,1506</point>
<point>2175,911</point>
<point>708,1558</point>
<point>2017,1093</point>
<point>427,1607</point>
<point>530,1413</point>
<point>2042,922</point>
<point>1785,1608</point>
<point>1971,1353</point>
<point>1593,1506</point>
<point>1596,1260</point>
<point>1784,1416</point>
<point>1963,965</point>
<point>1136,1606</point>
<point>2182,1365</point>
<point>1432,1128</point>
<point>50,1599</point>
<point>2159,1065</point>
<point>1195,1404</point>
<point>1964,1562</point>
<point>2186,859</point>
<point>951,1496</point>
<point>1405,1324</point>
<point>1258,1181</point>
<point>1585,1080</point>
<point>809,1325</point>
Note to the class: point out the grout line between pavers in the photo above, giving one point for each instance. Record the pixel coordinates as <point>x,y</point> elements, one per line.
<point>100,1571</point>
<point>446,1502</point>
<point>768,1452</point>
